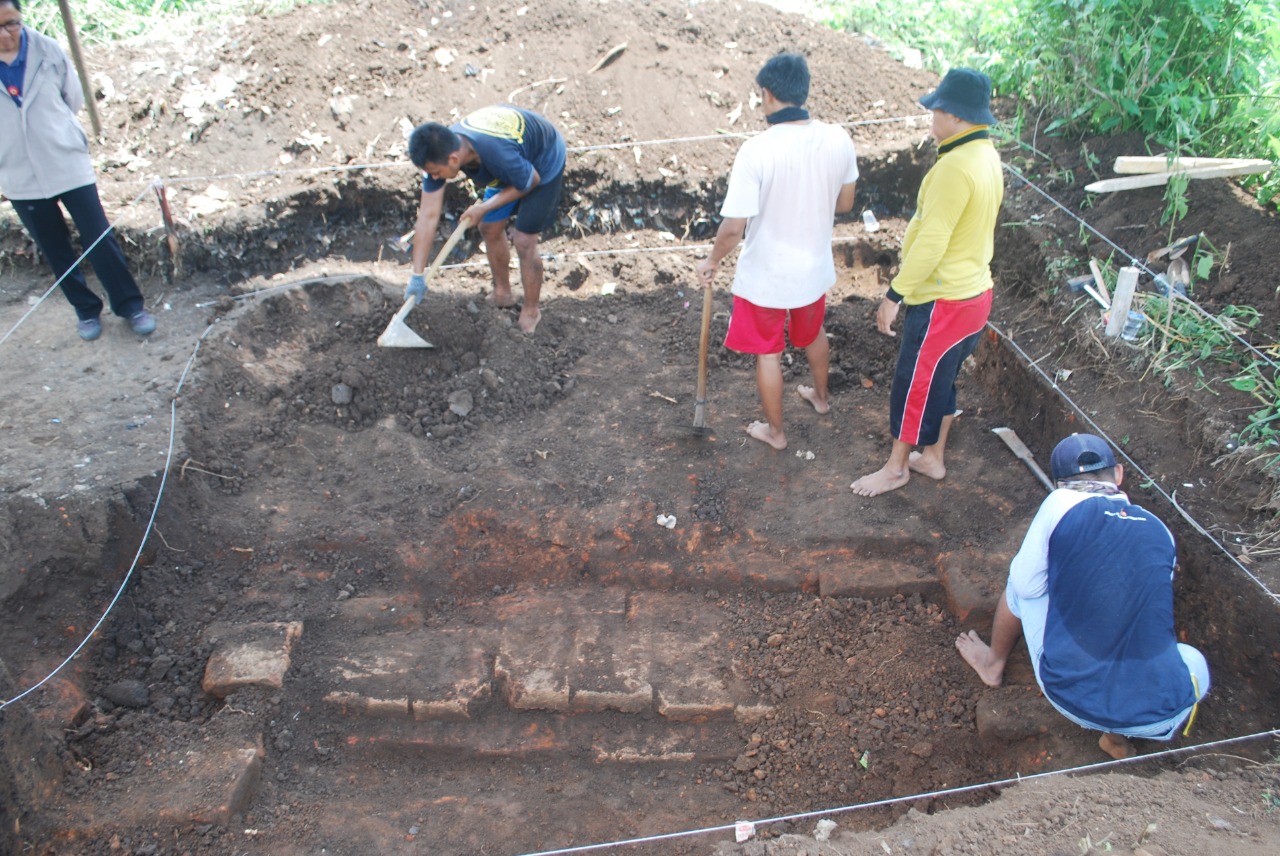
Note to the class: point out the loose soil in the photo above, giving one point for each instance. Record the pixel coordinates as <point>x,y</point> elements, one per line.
<point>298,473</point>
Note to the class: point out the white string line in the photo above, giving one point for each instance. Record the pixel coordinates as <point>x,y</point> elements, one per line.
<point>404,164</point>
<point>1134,262</point>
<point>1134,464</point>
<point>155,509</point>
<point>546,257</point>
<point>549,257</point>
<point>74,267</point>
<point>999,783</point>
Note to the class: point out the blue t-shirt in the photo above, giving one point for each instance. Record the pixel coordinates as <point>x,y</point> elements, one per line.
<point>1110,647</point>
<point>11,73</point>
<point>512,142</point>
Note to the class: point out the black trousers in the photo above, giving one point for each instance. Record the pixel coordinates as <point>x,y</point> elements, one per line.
<point>47,226</point>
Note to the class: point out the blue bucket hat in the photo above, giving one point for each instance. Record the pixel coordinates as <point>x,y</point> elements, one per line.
<point>1080,453</point>
<point>965,94</point>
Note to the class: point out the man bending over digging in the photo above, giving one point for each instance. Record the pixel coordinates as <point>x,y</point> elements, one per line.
<point>785,188</point>
<point>516,159</point>
<point>1091,590</point>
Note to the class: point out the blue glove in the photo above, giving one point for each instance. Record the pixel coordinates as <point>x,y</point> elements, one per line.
<point>417,288</point>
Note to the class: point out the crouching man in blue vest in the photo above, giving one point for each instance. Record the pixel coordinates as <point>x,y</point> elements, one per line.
<point>1091,590</point>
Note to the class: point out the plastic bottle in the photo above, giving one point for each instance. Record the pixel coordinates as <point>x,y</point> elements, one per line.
<point>869,221</point>
<point>1132,326</point>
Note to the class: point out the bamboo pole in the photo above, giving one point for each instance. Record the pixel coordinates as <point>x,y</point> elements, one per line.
<point>1144,164</point>
<point>73,39</point>
<point>1132,182</point>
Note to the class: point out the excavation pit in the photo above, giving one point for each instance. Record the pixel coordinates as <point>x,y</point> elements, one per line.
<point>440,610</point>
<point>466,541</point>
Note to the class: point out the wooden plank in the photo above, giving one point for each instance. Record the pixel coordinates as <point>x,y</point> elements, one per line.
<point>1126,283</point>
<point>1134,165</point>
<point>1133,182</point>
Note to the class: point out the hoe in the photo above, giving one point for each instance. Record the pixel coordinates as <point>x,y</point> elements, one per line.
<point>398,334</point>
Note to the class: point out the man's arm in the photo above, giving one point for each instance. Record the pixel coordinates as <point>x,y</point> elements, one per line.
<point>430,208</point>
<point>728,236</point>
<point>844,202</point>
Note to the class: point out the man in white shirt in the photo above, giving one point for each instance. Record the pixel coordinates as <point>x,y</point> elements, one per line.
<point>786,186</point>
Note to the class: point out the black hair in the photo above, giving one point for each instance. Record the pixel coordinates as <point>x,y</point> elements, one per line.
<point>431,143</point>
<point>787,77</point>
<point>17,6</point>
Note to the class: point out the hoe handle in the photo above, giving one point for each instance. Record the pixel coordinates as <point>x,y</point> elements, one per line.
<point>447,248</point>
<point>700,397</point>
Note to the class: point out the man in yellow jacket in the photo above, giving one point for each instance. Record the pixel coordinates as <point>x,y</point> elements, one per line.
<point>944,280</point>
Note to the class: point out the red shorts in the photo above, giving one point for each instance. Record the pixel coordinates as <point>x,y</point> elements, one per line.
<point>757,330</point>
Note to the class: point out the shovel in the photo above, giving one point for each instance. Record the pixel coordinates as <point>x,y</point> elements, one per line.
<point>1020,449</point>
<point>398,334</point>
<point>700,403</point>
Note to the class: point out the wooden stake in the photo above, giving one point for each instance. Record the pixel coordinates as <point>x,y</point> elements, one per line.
<point>1099,280</point>
<point>1125,285</point>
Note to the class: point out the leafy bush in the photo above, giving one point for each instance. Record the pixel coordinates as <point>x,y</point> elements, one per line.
<point>107,20</point>
<point>1176,70</point>
<point>1197,77</point>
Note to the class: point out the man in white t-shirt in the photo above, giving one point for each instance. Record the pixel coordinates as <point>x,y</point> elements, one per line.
<point>786,186</point>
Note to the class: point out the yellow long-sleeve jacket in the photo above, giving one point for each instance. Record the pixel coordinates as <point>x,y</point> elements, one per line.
<point>951,238</point>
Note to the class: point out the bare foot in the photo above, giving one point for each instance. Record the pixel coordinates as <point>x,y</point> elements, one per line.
<point>529,319</point>
<point>918,462</point>
<point>502,300</point>
<point>881,481</point>
<point>762,432</point>
<point>1117,746</point>
<point>978,655</point>
<point>810,395</point>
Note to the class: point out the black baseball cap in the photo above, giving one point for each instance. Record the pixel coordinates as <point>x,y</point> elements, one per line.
<point>1080,453</point>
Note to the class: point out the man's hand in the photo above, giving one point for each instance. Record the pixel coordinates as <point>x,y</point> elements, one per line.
<point>417,288</point>
<point>706,272</point>
<point>475,213</point>
<point>886,314</point>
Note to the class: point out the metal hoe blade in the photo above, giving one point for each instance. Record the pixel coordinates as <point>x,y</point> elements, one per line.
<point>1019,448</point>
<point>398,334</point>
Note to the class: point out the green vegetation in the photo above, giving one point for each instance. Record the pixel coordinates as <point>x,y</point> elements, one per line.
<point>1194,77</point>
<point>1197,77</point>
<point>108,20</point>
